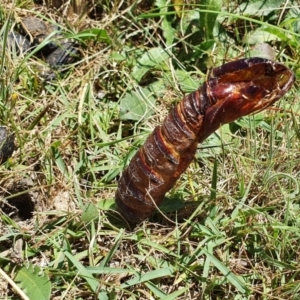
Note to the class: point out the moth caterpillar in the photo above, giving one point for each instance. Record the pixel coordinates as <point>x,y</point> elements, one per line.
<point>233,90</point>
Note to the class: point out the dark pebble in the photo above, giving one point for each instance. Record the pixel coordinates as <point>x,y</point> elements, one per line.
<point>17,43</point>
<point>7,144</point>
<point>39,30</point>
<point>65,54</point>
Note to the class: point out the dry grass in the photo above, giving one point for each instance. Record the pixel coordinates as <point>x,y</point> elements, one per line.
<point>241,244</point>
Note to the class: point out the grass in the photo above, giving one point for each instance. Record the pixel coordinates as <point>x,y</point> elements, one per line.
<point>232,226</point>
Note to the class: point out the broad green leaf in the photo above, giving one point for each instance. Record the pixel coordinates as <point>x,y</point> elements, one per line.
<point>137,105</point>
<point>282,36</point>
<point>90,213</point>
<point>116,56</point>
<point>154,58</point>
<point>170,205</point>
<point>248,122</point>
<point>293,19</point>
<point>106,204</point>
<point>259,36</point>
<point>259,7</point>
<point>168,31</point>
<point>198,27</point>
<point>34,283</point>
<point>187,83</point>
<point>190,22</point>
<point>207,20</point>
<point>93,33</point>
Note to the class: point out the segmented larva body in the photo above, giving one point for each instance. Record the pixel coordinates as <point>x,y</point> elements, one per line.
<point>233,90</point>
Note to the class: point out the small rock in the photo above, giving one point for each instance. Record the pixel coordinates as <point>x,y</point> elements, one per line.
<point>7,144</point>
<point>37,30</point>
<point>17,43</point>
<point>65,54</point>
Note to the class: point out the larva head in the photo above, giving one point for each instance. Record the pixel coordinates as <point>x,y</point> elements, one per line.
<point>246,86</point>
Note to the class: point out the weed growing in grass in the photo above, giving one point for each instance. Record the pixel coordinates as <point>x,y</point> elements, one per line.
<point>233,229</point>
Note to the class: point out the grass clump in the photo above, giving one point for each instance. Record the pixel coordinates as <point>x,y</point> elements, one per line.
<point>233,218</point>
